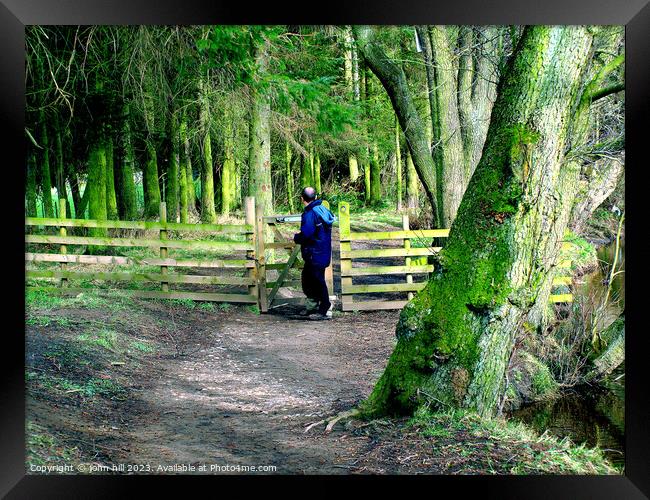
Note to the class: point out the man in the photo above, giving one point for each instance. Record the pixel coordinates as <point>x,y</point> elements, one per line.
<point>315,240</point>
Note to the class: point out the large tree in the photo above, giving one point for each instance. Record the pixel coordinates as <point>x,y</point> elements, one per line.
<point>455,337</point>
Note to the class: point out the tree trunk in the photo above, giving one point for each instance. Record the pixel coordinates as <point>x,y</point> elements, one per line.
<point>260,135</point>
<point>375,177</point>
<point>186,164</point>
<point>46,175</point>
<point>228,168</point>
<point>208,213</point>
<point>289,178</point>
<point>111,200</point>
<point>96,187</point>
<point>398,166</point>
<point>352,80</point>
<point>412,183</point>
<point>305,173</point>
<point>317,184</point>
<point>31,185</point>
<point>127,170</point>
<point>171,196</point>
<point>61,190</point>
<point>456,336</point>
<point>394,81</point>
<point>450,170</point>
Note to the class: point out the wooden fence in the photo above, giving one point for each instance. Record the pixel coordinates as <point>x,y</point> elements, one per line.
<point>162,244</point>
<point>259,235</point>
<point>415,264</point>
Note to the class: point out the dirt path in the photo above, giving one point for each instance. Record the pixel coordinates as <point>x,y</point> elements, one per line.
<point>240,393</point>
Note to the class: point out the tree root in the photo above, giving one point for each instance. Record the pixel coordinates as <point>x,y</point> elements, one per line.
<point>331,421</point>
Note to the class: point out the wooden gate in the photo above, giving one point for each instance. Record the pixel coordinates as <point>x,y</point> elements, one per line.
<point>269,233</point>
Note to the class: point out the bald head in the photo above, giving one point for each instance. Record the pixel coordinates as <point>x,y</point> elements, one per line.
<point>308,194</point>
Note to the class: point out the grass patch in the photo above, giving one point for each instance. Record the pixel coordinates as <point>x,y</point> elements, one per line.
<point>103,338</point>
<point>206,306</point>
<point>45,449</point>
<point>89,388</point>
<point>138,345</point>
<point>530,453</point>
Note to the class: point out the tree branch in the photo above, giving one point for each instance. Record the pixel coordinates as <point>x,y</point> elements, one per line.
<point>605,91</point>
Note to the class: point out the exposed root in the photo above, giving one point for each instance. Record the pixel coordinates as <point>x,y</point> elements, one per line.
<point>331,422</point>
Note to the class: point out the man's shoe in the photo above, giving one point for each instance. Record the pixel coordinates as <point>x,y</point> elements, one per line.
<point>318,317</point>
<point>329,311</point>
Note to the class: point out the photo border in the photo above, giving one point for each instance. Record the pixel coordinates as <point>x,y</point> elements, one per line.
<point>635,15</point>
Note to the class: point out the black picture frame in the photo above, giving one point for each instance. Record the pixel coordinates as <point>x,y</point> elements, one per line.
<point>634,14</point>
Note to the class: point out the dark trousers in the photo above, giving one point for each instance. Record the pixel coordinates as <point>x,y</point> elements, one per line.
<point>315,287</point>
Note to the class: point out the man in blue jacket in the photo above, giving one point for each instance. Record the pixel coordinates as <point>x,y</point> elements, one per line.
<point>315,240</point>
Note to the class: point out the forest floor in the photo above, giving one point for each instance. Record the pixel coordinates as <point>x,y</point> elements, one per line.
<point>154,384</point>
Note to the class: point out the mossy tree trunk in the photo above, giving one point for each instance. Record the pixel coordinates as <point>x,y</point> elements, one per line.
<point>289,177</point>
<point>398,166</point>
<point>260,135</point>
<point>111,199</point>
<point>375,176</point>
<point>186,165</point>
<point>171,195</point>
<point>31,185</point>
<point>412,183</point>
<point>456,336</point>
<point>127,169</point>
<point>317,184</point>
<point>96,186</point>
<point>305,173</point>
<point>228,170</point>
<point>208,213</point>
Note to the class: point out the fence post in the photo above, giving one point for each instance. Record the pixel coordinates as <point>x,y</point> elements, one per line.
<point>407,246</point>
<point>345,246</point>
<point>163,250</point>
<point>260,256</point>
<point>63,232</point>
<point>249,209</point>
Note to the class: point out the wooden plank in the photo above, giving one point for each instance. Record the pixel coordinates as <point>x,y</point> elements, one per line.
<point>561,298</point>
<point>375,305</point>
<point>399,235</point>
<point>154,294</point>
<point>372,270</point>
<point>285,284</point>
<point>280,244</point>
<point>154,277</point>
<point>384,287</point>
<point>387,252</point>
<point>137,242</point>
<point>562,280</point>
<point>283,274</point>
<point>110,259</point>
<point>345,247</point>
<point>299,264</point>
<point>141,225</point>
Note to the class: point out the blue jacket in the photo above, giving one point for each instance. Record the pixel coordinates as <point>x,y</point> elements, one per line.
<point>315,236</point>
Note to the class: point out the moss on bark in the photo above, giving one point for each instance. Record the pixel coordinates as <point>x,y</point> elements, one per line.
<point>456,336</point>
